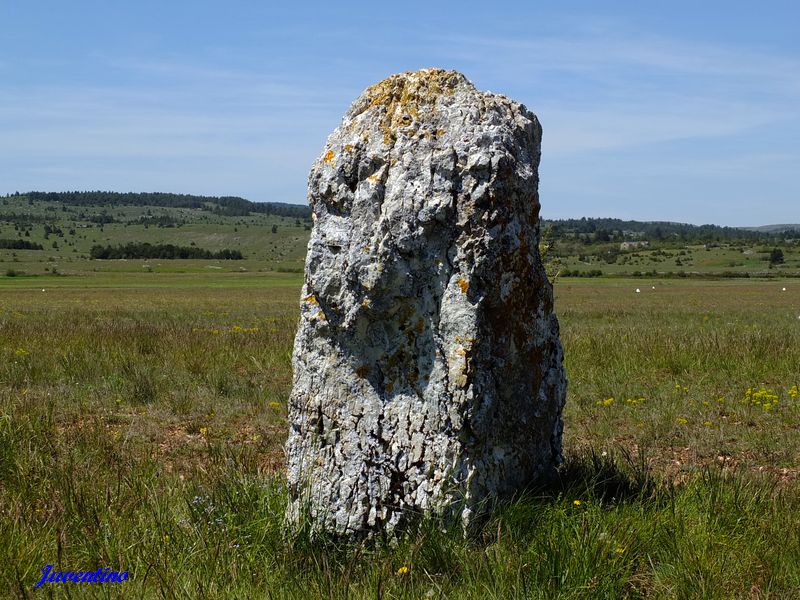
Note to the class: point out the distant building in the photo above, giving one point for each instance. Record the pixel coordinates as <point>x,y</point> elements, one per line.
<point>634,245</point>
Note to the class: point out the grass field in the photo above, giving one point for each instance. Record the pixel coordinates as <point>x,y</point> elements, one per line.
<point>689,259</point>
<point>142,419</point>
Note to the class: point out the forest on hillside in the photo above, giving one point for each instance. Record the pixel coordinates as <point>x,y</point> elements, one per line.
<point>230,206</point>
<point>616,230</point>
<point>586,230</point>
<point>145,250</point>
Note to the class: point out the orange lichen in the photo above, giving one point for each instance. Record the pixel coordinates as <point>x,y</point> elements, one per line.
<point>311,299</point>
<point>463,284</point>
<point>328,156</point>
<point>403,95</point>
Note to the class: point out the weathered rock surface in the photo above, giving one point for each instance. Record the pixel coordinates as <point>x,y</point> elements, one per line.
<point>428,370</point>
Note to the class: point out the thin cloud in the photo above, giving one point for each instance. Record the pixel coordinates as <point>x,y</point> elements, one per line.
<point>249,119</point>
<point>569,131</point>
<point>618,48</point>
<point>617,91</point>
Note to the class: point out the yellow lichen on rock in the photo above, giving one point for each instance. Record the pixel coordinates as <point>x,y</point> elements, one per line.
<point>328,156</point>
<point>402,96</point>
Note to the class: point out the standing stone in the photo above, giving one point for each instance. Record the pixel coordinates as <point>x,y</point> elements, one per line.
<point>428,371</point>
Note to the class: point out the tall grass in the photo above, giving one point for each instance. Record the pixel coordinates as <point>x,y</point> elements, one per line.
<point>142,430</point>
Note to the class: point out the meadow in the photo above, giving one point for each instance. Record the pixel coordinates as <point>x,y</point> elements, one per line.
<point>674,259</point>
<point>142,418</point>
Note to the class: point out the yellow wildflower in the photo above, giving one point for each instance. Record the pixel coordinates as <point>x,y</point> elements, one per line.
<point>763,397</point>
<point>204,431</point>
<point>403,570</point>
<point>577,503</point>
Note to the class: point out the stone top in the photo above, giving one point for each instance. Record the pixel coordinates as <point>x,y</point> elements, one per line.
<point>413,88</point>
<point>405,98</point>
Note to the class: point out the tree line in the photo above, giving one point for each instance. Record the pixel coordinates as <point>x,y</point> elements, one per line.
<point>160,251</point>
<point>24,219</point>
<point>223,205</point>
<point>604,230</point>
<point>6,244</point>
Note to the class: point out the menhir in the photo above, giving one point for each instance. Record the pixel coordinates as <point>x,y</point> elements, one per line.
<point>428,373</point>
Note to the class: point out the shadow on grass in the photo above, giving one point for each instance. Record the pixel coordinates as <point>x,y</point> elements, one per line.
<point>606,477</point>
<point>586,478</point>
<point>543,521</point>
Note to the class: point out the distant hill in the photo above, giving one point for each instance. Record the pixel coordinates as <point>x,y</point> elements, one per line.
<point>229,206</point>
<point>80,232</point>
<point>234,206</point>
<point>775,228</point>
<point>604,229</point>
<point>83,233</point>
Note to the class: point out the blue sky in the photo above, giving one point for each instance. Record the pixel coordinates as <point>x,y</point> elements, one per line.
<point>681,111</point>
